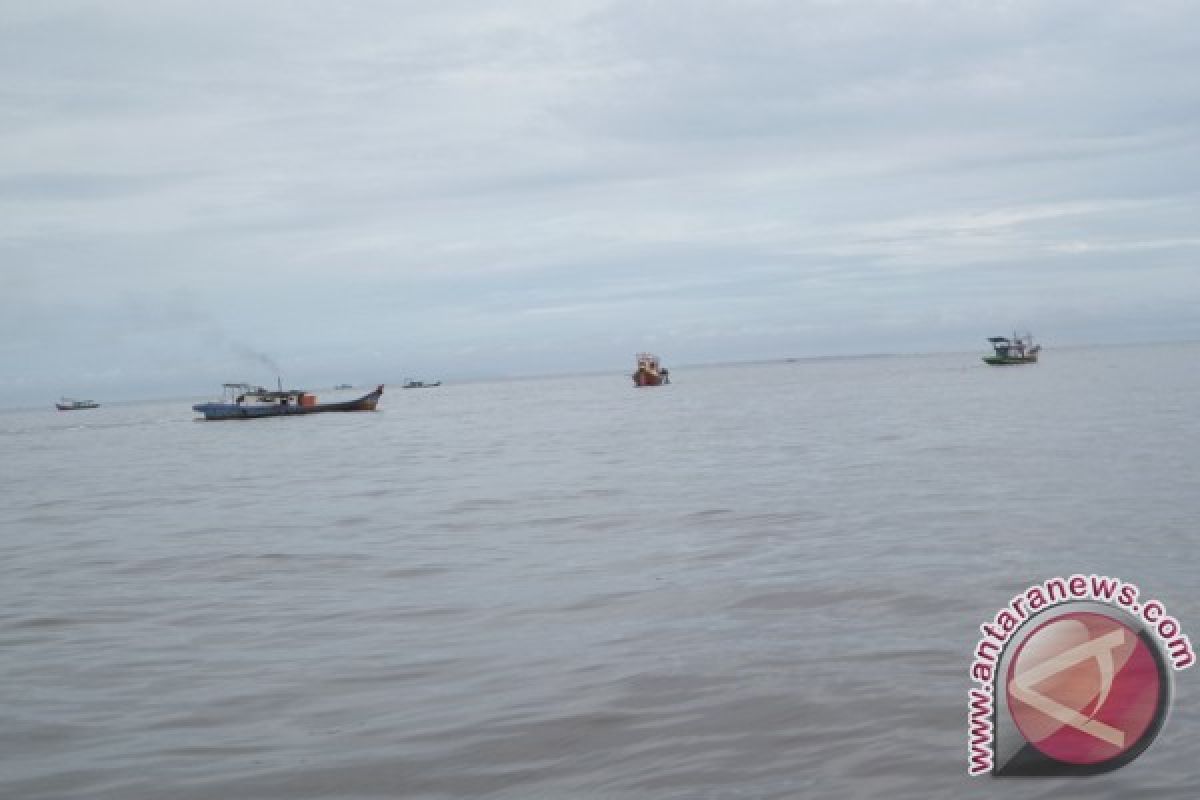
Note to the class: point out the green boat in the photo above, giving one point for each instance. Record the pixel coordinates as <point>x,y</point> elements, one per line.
<point>1017,350</point>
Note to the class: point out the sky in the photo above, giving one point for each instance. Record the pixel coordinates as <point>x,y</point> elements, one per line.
<point>198,192</point>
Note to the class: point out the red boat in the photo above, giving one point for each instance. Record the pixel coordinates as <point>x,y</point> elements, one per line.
<point>649,372</point>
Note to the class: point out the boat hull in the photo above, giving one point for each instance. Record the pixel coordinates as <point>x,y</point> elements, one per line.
<point>367,402</point>
<point>61,407</point>
<point>643,378</point>
<point>1009,361</point>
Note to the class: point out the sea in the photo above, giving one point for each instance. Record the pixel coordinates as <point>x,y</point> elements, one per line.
<point>761,581</point>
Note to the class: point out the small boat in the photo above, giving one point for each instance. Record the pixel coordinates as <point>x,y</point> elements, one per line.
<point>1017,350</point>
<point>342,386</point>
<point>421,385</point>
<point>246,401</point>
<point>649,372</point>
<point>67,404</point>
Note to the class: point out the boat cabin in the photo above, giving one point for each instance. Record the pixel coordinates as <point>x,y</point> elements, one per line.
<point>1016,347</point>
<point>647,362</point>
<point>1002,345</point>
<point>242,393</point>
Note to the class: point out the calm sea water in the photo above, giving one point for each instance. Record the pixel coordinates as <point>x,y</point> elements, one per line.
<point>759,582</point>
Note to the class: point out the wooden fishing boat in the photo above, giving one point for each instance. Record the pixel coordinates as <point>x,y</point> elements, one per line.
<point>1017,350</point>
<point>245,401</point>
<point>649,372</point>
<point>67,404</point>
<point>421,385</point>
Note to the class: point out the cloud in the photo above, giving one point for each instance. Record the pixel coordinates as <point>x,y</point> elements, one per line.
<point>457,185</point>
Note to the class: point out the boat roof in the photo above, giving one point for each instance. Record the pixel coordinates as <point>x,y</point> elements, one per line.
<point>267,394</point>
<point>273,395</point>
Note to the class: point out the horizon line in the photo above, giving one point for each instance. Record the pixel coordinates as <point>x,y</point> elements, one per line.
<point>684,365</point>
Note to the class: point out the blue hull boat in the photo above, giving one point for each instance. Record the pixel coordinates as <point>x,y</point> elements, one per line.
<point>252,403</point>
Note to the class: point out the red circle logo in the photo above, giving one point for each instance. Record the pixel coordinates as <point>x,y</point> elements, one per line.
<point>1084,688</point>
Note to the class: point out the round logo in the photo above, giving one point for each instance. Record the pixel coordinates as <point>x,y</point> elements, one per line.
<point>1085,688</point>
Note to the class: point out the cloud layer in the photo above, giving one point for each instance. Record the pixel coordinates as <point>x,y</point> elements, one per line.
<point>375,189</point>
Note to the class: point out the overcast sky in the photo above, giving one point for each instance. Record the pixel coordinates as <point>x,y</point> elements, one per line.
<point>361,191</point>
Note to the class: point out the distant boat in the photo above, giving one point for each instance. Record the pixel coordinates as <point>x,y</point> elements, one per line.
<point>1017,350</point>
<point>67,404</point>
<point>649,372</point>
<point>341,386</point>
<point>421,385</point>
<point>245,401</point>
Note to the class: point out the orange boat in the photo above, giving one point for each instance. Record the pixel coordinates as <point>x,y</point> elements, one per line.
<point>649,372</point>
